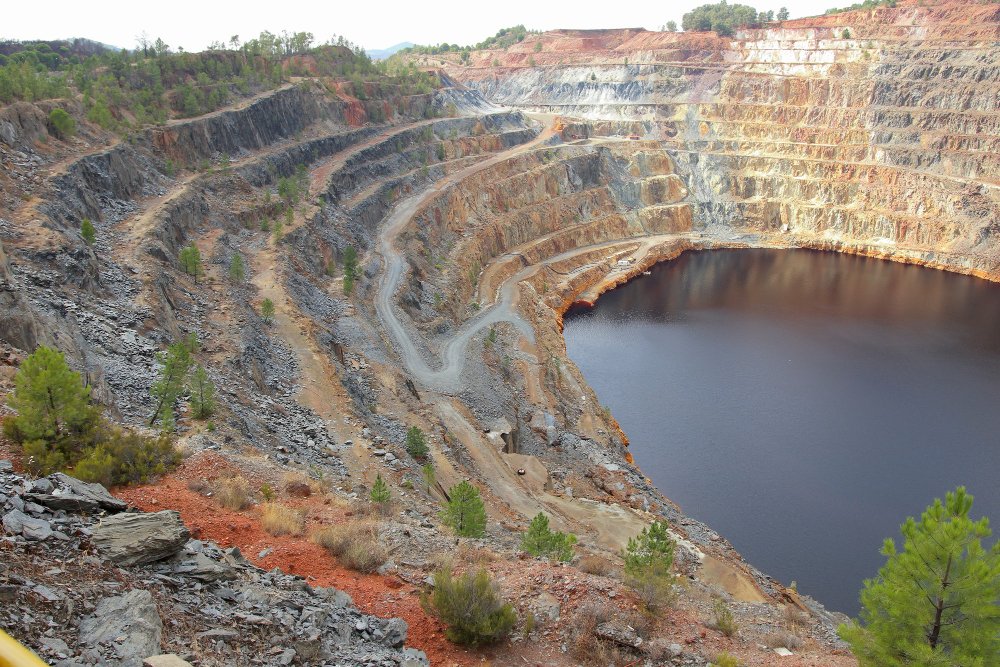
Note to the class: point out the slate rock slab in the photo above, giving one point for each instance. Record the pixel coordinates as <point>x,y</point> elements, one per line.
<point>134,539</point>
<point>126,626</point>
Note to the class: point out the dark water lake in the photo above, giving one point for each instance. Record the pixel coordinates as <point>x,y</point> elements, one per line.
<point>802,403</point>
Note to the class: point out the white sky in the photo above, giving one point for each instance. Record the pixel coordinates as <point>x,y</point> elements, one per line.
<point>194,24</point>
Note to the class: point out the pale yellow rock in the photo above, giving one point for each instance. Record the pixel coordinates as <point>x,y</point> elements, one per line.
<point>165,660</point>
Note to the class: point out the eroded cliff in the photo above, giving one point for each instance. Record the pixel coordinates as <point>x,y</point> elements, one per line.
<point>869,131</point>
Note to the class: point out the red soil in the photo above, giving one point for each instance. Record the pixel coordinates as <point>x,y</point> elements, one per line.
<point>386,596</point>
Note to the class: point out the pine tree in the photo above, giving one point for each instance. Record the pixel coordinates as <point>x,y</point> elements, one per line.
<point>783,14</point>
<point>53,407</point>
<point>190,261</point>
<point>416,443</point>
<point>465,511</point>
<point>175,364</point>
<point>237,270</point>
<point>380,491</point>
<point>267,310</point>
<point>652,549</point>
<point>539,540</point>
<point>87,232</point>
<point>350,269</point>
<point>202,394</point>
<point>936,601</point>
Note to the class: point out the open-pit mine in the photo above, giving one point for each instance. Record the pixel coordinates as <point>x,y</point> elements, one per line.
<point>405,261</point>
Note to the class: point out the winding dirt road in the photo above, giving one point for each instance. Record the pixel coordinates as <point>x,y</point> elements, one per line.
<point>446,378</point>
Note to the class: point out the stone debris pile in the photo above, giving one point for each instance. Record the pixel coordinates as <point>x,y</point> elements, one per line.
<point>86,581</point>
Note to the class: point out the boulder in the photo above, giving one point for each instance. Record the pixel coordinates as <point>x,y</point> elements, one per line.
<point>129,625</point>
<point>395,632</point>
<point>16,522</point>
<point>134,539</point>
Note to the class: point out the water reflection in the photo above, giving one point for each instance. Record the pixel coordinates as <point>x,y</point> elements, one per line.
<point>802,403</point>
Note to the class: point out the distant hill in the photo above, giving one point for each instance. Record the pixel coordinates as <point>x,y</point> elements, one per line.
<point>382,54</point>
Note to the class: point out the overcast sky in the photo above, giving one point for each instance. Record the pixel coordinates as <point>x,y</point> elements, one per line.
<point>194,24</point>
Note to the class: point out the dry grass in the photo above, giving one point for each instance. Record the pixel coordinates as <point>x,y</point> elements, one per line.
<point>480,556</point>
<point>355,544</point>
<point>233,493</point>
<point>794,617</point>
<point>783,638</point>
<point>587,647</point>
<point>279,519</point>
<point>597,565</point>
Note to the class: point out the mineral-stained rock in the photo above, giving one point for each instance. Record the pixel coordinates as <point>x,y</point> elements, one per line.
<point>128,625</point>
<point>133,539</point>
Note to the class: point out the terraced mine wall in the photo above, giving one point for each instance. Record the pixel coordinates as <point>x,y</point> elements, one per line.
<point>870,131</point>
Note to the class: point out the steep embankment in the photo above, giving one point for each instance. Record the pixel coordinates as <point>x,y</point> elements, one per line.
<point>868,131</point>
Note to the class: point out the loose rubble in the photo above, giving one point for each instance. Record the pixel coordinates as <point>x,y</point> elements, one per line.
<point>91,583</point>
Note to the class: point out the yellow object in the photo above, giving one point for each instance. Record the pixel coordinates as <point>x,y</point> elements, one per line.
<point>12,654</point>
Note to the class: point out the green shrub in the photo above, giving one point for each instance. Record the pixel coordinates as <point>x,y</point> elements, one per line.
<point>428,473</point>
<point>87,231</point>
<point>267,310</point>
<point>470,607</point>
<point>62,124</point>
<point>655,587</point>
<point>416,443</point>
<point>41,459</point>
<point>724,621</point>
<point>125,456</point>
<point>465,511</point>
<point>725,660</point>
<point>538,540</point>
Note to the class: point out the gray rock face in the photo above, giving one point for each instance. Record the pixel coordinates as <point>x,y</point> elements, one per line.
<point>203,568</point>
<point>134,539</point>
<point>126,628</point>
<point>16,522</point>
<point>395,632</point>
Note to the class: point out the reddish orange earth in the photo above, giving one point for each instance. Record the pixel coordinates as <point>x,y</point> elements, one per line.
<point>383,596</point>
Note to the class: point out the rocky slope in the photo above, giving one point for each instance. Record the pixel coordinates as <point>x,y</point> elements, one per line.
<point>537,176</point>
